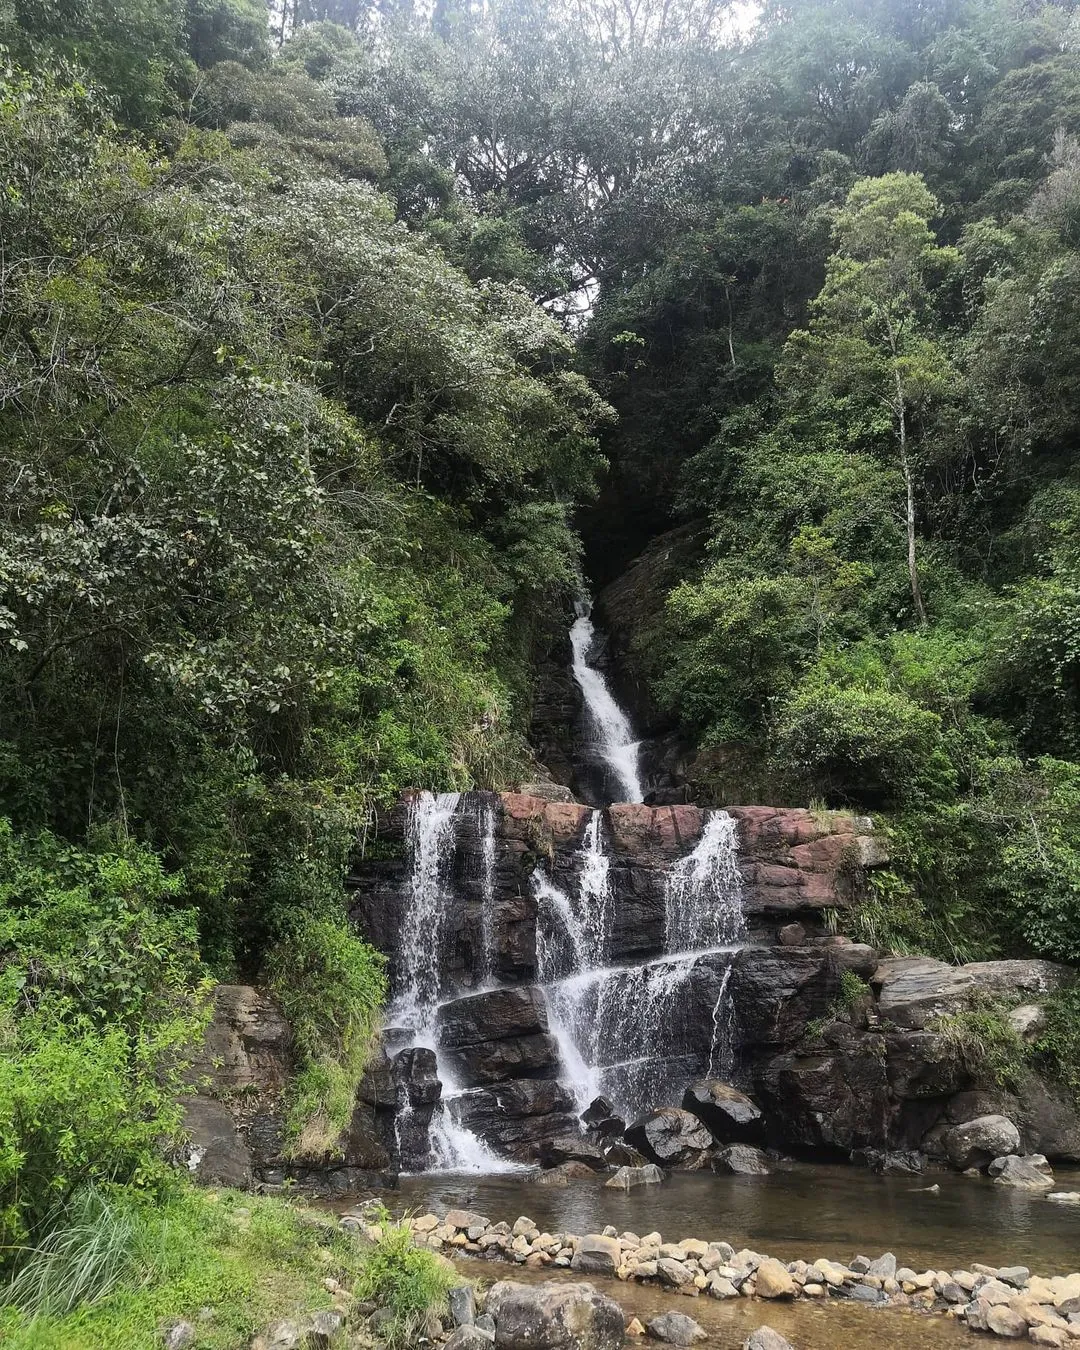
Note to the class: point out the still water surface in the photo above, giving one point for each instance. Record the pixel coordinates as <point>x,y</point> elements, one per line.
<point>799,1211</point>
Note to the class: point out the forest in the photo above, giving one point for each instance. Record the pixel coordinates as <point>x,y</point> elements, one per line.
<point>342,346</point>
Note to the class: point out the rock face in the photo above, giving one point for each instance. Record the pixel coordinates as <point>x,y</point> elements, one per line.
<point>814,1069</point>
<point>554,1317</point>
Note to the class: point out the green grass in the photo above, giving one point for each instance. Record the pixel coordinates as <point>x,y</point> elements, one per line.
<point>140,1266</point>
<point>408,1280</point>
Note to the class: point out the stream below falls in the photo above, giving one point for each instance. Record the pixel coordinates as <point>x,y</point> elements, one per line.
<point>801,1210</point>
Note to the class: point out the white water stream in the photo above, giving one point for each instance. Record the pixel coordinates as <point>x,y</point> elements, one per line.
<point>606,720</point>
<point>430,841</point>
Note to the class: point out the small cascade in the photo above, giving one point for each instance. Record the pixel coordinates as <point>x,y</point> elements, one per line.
<point>430,840</point>
<point>704,891</point>
<point>606,721</point>
<point>487,887</point>
<point>430,846</point>
<point>598,1011</point>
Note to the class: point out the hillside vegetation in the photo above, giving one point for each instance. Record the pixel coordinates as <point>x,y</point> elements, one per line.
<point>333,340</point>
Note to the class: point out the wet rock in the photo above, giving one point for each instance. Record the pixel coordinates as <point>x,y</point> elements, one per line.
<point>774,1280</point>
<point>597,1255</point>
<point>674,1328</point>
<point>495,1015</point>
<point>741,1160</point>
<point>764,1338</point>
<point>791,935</point>
<point>975,1143</point>
<point>564,1173</point>
<point>1021,1173</point>
<point>492,1061</point>
<point>620,1154</point>
<point>1003,1321</point>
<point>629,1178</point>
<point>890,1162</point>
<point>729,1115</point>
<point>670,1137</point>
<point>674,1273</point>
<point>554,1317</point>
<point>573,1148</point>
<point>600,1108</point>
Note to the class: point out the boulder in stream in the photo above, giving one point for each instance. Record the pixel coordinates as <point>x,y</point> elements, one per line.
<point>629,1178</point>
<point>554,1316</point>
<point>741,1160</point>
<point>674,1328</point>
<point>730,1116</point>
<point>977,1142</point>
<point>671,1137</point>
<point>765,1338</point>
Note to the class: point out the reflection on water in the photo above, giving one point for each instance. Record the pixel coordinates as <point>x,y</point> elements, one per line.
<point>810,1326</point>
<point>799,1211</point>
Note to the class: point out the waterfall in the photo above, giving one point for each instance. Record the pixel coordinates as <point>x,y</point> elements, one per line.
<point>704,891</point>
<point>614,735</point>
<point>487,886</point>
<point>430,841</point>
<point>598,1011</point>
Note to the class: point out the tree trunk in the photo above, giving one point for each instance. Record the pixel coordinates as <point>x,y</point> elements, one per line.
<point>909,486</point>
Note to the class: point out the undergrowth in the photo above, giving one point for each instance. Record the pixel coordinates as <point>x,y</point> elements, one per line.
<point>408,1280</point>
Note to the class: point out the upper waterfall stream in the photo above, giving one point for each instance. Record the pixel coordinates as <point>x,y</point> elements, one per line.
<point>605,720</point>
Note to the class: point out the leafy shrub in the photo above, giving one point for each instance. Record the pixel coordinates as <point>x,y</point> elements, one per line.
<point>408,1280</point>
<point>331,987</point>
<point>865,745</point>
<point>985,1041</point>
<point>1059,1045</point>
<point>101,999</point>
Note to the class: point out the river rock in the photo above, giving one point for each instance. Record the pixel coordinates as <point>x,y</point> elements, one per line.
<point>675,1328</point>
<point>729,1115</point>
<point>564,1173</point>
<point>741,1160</point>
<point>597,1255</point>
<point>1003,1321</point>
<point>674,1273</point>
<point>554,1317</point>
<point>977,1142</point>
<point>774,1280</point>
<point>628,1178</point>
<point>1022,1173</point>
<point>462,1305</point>
<point>670,1137</point>
<point>573,1148</point>
<point>468,1338</point>
<point>764,1338</point>
<point>600,1108</point>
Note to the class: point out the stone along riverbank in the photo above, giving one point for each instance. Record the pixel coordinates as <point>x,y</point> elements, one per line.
<point>1006,1301</point>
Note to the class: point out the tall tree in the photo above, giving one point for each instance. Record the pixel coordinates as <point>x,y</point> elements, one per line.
<point>874,344</point>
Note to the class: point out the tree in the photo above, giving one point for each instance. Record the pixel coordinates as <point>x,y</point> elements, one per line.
<point>873,344</point>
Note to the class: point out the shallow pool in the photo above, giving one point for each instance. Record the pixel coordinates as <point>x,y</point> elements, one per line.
<point>801,1210</point>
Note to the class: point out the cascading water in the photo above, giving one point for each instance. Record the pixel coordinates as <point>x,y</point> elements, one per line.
<point>430,839</point>
<point>606,721</point>
<point>486,825</point>
<point>597,1011</point>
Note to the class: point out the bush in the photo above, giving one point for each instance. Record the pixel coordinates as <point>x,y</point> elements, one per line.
<point>408,1280</point>
<point>331,987</point>
<point>101,998</point>
<point>985,1041</point>
<point>865,745</point>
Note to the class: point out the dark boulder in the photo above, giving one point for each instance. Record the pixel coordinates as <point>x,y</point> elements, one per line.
<point>492,1061</point>
<point>600,1108</point>
<point>572,1148</point>
<point>729,1115</point>
<point>741,1160</point>
<point>554,1316</point>
<point>671,1137</point>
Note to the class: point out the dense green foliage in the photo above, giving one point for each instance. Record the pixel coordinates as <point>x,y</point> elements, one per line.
<point>330,348</point>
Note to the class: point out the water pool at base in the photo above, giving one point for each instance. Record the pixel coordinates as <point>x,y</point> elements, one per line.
<point>801,1210</point>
